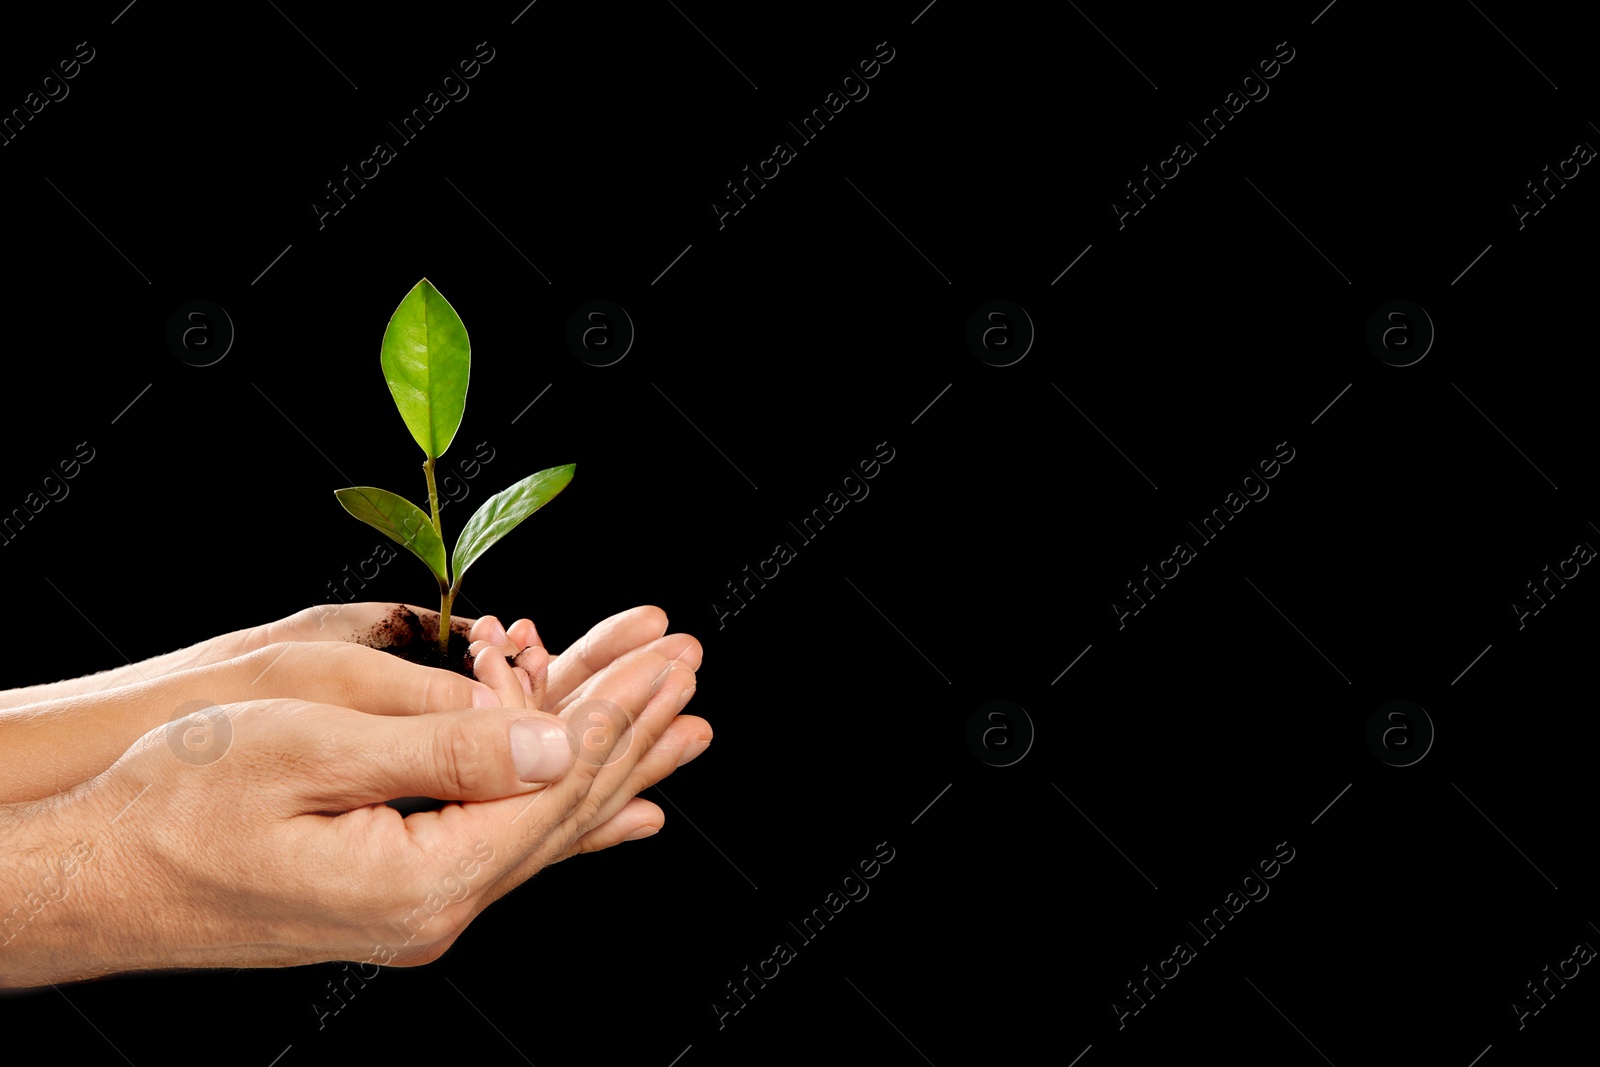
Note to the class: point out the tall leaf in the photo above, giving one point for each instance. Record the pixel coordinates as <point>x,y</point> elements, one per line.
<point>501,513</point>
<point>427,361</point>
<point>399,520</point>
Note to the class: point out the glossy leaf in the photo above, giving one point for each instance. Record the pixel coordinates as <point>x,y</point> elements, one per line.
<point>501,513</point>
<point>427,360</point>
<point>399,520</point>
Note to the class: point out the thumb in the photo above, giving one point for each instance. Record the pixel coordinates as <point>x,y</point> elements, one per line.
<point>349,676</point>
<point>475,754</point>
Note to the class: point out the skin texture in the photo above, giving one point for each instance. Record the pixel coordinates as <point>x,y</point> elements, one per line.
<point>278,850</point>
<point>70,731</point>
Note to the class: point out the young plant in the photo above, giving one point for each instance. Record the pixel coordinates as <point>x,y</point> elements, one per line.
<point>427,361</point>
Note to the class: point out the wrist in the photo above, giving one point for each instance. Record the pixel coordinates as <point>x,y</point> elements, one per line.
<point>49,931</point>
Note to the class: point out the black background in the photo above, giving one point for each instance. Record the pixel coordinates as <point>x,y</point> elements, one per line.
<point>774,352</point>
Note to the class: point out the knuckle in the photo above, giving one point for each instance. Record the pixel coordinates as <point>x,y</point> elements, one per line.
<point>347,664</point>
<point>461,759</point>
<point>301,619</point>
<point>587,814</point>
<point>439,691</point>
<point>428,694</point>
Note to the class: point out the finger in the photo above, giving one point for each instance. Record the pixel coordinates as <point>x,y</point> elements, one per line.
<point>681,648</point>
<point>638,819</point>
<point>337,673</point>
<point>681,742</point>
<point>529,831</point>
<point>522,634</point>
<point>616,780</point>
<point>533,664</point>
<point>467,755</point>
<point>491,668</point>
<point>602,645</point>
<point>607,739</point>
<point>332,672</point>
<point>488,630</point>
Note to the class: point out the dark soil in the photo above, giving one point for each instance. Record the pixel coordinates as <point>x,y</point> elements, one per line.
<point>416,638</point>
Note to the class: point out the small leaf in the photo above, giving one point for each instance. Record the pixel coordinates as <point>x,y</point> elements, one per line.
<point>399,520</point>
<point>427,361</point>
<point>501,512</point>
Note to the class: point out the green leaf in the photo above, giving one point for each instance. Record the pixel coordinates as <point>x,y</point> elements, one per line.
<point>427,361</point>
<point>501,512</point>
<point>399,520</point>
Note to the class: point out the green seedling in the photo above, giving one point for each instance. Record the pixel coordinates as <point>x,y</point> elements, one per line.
<point>427,361</point>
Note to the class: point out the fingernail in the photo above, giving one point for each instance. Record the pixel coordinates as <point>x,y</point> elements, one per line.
<point>692,751</point>
<point>539,749</point>
<point>683,698</point>
<point>497,634</point>
<point>643,832</point>
<point>483,697</point>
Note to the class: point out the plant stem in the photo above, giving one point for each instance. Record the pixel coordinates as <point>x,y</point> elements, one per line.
<point>447,595</point>
<point>433,497</point>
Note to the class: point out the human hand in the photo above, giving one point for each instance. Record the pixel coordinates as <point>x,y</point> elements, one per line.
<point>52,744</point>
<point>640,627</point>
<point>282,851</point>
<point>328,622</point>
<point>568,689</point>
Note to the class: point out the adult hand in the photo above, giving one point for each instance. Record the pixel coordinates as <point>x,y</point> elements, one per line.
<point>641,627</point>
<point>329,622</point>
<point>534,681</point>
<point>280,850</point>
<point>50,746</point>
<point>54,742</point>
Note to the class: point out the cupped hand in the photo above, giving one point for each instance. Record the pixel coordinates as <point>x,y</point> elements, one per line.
<point>532,680</point>
<point>328,622</point>
<point>278,849</point>
<point>56,744</point>
<point>60,734</point>
<point>640,627</point>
